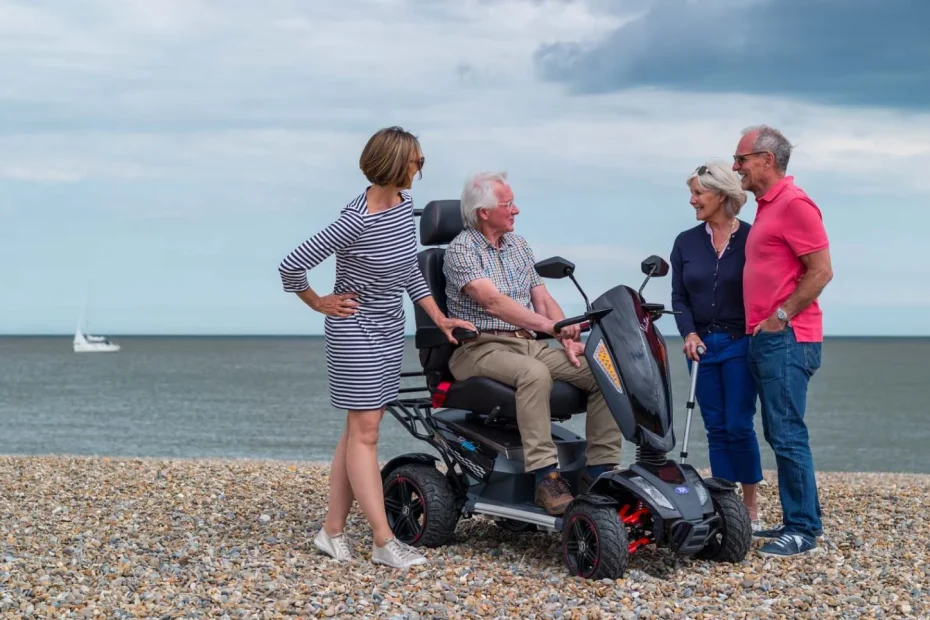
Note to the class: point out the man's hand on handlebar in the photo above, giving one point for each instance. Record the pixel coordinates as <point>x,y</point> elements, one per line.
<point>570,339</point>
<point>569,332</point>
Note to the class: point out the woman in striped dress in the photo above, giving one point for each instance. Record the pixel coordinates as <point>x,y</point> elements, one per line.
<point>374,240</point>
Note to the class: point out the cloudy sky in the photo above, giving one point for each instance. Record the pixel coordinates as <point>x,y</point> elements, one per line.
<point>160,158</point>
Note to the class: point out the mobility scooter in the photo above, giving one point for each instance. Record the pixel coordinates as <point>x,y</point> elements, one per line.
<point>472,426</point>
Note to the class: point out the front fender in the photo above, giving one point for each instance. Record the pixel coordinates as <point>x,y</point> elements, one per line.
<point>719,485</point>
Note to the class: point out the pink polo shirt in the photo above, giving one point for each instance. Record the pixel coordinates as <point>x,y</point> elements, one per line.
<point>788,225</point>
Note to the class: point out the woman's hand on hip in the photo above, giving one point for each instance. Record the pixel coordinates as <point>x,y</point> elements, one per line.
<point>340,305</point>
<point>446,325</point>
<point>692,342</point>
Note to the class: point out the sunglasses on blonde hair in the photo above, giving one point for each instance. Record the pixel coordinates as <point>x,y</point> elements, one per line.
<point>702,170</point>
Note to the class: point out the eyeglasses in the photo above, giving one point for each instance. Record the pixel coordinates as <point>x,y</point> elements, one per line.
<point>702,170</point>
<point>741,159</point>
<point>506,205</point>
<point>419,162</point>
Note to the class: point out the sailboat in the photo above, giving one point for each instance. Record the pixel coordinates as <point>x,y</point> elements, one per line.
<point>86,343</point>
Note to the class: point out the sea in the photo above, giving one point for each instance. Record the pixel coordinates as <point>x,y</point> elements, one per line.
<point>267,398</point>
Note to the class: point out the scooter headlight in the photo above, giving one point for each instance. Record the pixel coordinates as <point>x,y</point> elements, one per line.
<point>699,487</point>
<point>652,492</point>
<point>702,493</point>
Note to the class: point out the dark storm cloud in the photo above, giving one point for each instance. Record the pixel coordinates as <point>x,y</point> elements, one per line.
<point>847,52</point>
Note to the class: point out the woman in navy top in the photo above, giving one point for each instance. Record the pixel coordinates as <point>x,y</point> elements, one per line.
<point>707,290</point>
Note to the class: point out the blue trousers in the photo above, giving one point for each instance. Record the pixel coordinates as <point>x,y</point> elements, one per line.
<point>783,367</point>
<point>726,394</point>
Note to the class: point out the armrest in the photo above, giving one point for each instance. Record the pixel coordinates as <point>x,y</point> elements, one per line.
<point>463,335</point>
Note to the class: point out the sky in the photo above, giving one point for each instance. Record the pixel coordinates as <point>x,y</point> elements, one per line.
<point>159,159</point>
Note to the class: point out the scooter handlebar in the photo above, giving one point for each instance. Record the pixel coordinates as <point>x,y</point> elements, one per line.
<point>591,315</point>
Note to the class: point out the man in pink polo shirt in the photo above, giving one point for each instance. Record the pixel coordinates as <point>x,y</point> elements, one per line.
<point>787,267</point>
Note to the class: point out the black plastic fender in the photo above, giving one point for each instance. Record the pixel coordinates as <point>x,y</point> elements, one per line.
<point>596,499</point>
<point>719,485</point>
<point>406,459</point>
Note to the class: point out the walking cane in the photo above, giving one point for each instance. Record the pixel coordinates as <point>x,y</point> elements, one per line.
<point>690,405</point>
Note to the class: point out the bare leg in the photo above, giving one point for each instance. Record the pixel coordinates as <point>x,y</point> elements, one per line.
<point>363,472</point>
<point>749,498</point>
<point>340,491</point>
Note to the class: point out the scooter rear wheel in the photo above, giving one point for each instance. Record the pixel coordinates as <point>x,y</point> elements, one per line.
<point>420,506</point>
<point>594,542</point>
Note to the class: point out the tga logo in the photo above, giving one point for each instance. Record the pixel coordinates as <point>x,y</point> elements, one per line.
<point>467,445</point>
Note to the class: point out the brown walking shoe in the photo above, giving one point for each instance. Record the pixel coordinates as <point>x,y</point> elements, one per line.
<point>553,494</point>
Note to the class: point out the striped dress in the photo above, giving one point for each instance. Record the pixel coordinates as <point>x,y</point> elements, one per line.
<point>375,258</point>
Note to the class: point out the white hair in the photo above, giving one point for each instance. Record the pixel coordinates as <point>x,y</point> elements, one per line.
<point>718,176</point>
<point>771,141</point>
<point>478,194</point>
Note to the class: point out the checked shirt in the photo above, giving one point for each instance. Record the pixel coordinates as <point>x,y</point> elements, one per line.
<point>470,257</point>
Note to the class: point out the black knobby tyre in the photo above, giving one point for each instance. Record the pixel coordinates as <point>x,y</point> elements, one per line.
<point>420,505</point>
<point>594,542</point>
<point>731,543</point>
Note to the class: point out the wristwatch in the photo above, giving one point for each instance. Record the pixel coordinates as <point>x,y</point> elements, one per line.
<point>781,315</point>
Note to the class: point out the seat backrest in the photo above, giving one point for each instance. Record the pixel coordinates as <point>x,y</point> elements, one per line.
<point>440,222</point>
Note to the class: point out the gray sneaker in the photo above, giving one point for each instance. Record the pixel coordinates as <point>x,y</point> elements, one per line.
<point>337,546</point>
<point>396,554</point>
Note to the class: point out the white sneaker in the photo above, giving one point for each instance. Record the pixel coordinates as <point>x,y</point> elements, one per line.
<point>396,554</point>
<point>334,546</point>
<point>756,525</point>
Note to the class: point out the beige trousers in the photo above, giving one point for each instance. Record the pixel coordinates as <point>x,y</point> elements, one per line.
<point>530,366</point>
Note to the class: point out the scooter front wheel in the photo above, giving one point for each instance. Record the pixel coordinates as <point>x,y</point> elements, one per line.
<point>732,541</point>
<point>420,506</point>
<point>594,542</point>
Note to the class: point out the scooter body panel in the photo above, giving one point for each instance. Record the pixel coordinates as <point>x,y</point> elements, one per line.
<point>493,454</point>
<point>492,458</point>
<point>628,358</point>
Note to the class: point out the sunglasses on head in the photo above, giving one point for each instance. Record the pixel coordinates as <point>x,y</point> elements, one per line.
<point>702,170</point>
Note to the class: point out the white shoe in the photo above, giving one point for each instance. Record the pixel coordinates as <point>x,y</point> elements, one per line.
<point>396,554</point>
<point>756,525</point>
<point>334,546</point>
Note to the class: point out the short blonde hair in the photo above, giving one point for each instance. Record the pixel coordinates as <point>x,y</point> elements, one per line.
<point>718,176</point>
<point>386,158</point>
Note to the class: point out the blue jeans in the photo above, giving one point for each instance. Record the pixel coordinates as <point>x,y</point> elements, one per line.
<point>726,393</point>
<point>782,367</point>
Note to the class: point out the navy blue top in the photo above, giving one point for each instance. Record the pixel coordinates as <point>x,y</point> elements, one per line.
<point>708,292</point>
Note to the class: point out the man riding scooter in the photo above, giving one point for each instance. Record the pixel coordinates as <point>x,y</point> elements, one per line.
<point>491,282</point>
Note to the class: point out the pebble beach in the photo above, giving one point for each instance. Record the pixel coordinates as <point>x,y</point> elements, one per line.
<point>131,538</point>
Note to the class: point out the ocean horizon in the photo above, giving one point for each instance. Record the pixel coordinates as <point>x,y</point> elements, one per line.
<point>265,397</point>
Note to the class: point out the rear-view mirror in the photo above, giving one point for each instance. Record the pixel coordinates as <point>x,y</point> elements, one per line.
<point>655,266</point>
<point>555,268</point>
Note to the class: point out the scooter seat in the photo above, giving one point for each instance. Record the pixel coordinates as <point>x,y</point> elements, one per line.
<point>481,395</point>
